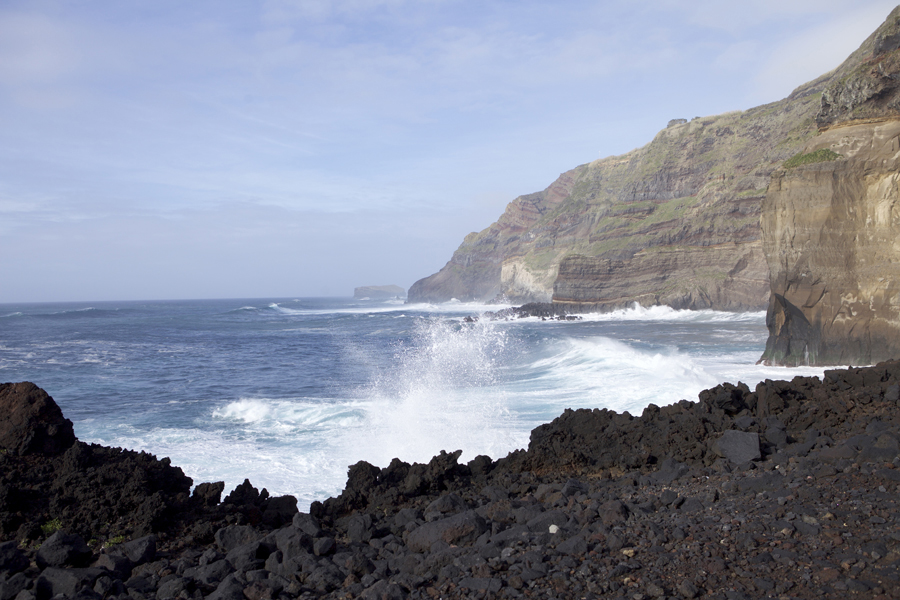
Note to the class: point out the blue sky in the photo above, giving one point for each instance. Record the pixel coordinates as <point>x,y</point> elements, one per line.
<point>157,149</point>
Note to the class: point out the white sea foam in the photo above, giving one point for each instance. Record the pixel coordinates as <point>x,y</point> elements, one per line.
<point>441,395</point>
<point>427,383</point>
<point>382,307</point>
<point>636,312</point>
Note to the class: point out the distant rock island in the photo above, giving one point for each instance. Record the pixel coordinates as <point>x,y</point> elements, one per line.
<point>790,206</point>
<point>379,292</point>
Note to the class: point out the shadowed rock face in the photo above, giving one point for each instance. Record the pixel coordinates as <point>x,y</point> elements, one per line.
<point>683,278</point>
<point>97,492</point>
<point>31,422</point>
<point>830,228</point>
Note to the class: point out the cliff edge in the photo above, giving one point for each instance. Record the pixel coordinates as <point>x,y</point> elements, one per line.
<point>831,220</point>
<point>676,222</point>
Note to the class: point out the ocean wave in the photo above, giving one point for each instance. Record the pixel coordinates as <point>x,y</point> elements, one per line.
<point>609,373</point>
<point>657,314</point>
<point>13,314</point>
<point>288,414</point>
<point>394,306</point>
<point>667,313</point>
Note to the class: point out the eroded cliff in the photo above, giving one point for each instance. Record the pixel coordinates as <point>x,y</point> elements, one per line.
<point>675,222</point>
<point>831,221</point>
<point>679,217</point>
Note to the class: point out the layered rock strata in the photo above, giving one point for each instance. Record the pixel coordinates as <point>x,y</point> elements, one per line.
<point>831,223</point>
<point>785,491</point>
<point>675,222</point>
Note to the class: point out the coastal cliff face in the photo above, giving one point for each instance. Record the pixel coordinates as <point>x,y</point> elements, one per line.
<point>676,222</point>
<point>830,226</point>
<point>679,219</point>
<point>681,277</point>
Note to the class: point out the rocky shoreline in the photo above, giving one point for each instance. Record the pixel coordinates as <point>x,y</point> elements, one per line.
<point>786,491</point>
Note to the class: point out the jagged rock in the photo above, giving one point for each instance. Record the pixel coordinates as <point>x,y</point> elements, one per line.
<point>229,538</point>
<point>308,524</point>
<point>119,565</point>
<point>460,529</point>
<point>210,494</point>
<point>324,546</point>
<point>31,422</point>
<point>739,446</point>
<point>63,549</point>
<point>12,560</point>
<point>139,551</point>
<point>55,581</point>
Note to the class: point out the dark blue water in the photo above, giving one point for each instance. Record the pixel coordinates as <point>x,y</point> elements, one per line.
<point>289,392</point>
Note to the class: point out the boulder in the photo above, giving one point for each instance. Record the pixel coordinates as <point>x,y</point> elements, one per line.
<point>739,446</point>
<point>460,529</point>
<point>12,560</point>
<point>31,422</point>
<point>63,549</point>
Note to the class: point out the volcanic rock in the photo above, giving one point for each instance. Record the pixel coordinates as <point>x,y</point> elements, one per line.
<point>600,505</point>
<point>31,422</point>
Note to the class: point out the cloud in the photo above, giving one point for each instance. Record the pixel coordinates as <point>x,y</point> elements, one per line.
<point>818,50</point>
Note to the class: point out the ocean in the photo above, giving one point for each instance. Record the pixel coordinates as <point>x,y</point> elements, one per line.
<point>290,392</point>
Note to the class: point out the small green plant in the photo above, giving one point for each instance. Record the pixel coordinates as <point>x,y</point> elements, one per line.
<point>821,155</point>
<point>116,539</point>
<point>51,527</point>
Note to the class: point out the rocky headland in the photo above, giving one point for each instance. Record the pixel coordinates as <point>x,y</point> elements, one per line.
<point>379,292</point>
<point>786,491</point>
<point>791,206</point>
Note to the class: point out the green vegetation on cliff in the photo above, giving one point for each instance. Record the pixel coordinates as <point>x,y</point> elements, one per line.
<point>697,184</point>
<point>821,155</point>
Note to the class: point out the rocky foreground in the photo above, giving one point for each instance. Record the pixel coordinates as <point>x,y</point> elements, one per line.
<point>788,491</point>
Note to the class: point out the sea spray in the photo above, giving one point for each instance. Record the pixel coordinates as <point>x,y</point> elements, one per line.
<point>442,394</point>
<point>289,393</point>
<point>604,372</point>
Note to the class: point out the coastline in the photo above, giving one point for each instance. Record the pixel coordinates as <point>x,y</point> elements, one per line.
<point>797,500</point>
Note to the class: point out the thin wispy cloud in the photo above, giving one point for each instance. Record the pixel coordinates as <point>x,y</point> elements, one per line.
<point>387,127</point>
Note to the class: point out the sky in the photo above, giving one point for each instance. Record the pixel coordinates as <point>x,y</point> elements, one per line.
<point>230,149</point>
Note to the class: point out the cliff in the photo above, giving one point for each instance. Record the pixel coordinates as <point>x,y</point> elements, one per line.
<point>675,222</point>
<point>831,221</point>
